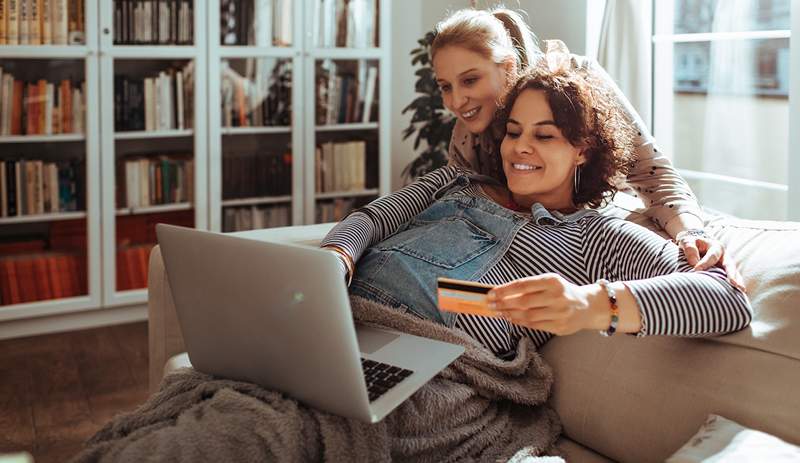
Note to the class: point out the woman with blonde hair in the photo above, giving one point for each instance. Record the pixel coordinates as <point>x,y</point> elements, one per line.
<point>478,54</point>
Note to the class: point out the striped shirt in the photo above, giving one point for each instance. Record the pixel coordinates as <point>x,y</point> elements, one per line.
<point>583,247</point>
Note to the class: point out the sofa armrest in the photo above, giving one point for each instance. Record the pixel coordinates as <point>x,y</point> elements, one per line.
<point>164,333</point>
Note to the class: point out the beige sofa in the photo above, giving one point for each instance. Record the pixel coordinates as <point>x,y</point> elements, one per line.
<point>627,399</point>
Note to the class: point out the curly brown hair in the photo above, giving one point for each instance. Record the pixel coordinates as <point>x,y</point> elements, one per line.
<point>587,113</point>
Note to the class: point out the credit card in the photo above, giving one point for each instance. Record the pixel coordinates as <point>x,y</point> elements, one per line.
<point>463,296</point>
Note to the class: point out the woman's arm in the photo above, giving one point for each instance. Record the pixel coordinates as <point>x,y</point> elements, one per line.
<point>382,217</point>
<point>657,291</point>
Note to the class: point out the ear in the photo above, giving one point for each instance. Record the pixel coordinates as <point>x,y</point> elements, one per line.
<point>582,158</point>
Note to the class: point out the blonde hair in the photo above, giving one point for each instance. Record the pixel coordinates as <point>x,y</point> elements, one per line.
<point>496,34</point>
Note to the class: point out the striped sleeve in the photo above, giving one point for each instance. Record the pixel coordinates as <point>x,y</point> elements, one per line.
<point>673,298</point>
<point>382,217</point>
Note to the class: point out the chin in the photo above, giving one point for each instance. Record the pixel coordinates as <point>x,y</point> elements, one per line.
<point>477,126</point>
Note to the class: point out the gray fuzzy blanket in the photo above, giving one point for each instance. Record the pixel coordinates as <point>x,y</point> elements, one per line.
<point>480,408</point>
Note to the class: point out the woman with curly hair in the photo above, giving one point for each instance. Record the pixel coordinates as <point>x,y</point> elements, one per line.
<point>557,266</point>
<point>478,54</point>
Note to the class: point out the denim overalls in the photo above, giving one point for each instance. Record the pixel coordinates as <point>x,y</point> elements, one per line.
<point>458,236</point>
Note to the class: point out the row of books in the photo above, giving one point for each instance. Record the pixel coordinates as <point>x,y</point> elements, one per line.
<point>152,180</point>
<point>41,107</point>
<point>346,97</point>
<point>255,175</point>
<point>346,23</point>
<point>153,22</point>
<point>29,187</point>
<point>41,276</point>
<point>340,166</point>
<point>333,210</point>
<point>261,97</point>
<point>163,102</point>
<point>132,263</point>
<point>256,22</point>
<point>255,217</point>
<point>42,22</point>
<point>137,229</point>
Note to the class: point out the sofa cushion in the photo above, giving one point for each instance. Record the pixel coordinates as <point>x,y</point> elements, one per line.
<point>639,399</point>
<point>721,440</point>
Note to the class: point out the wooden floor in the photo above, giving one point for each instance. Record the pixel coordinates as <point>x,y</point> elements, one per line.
<point>58,390</point>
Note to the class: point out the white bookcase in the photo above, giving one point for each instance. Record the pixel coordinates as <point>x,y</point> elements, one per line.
<point>209,140</point>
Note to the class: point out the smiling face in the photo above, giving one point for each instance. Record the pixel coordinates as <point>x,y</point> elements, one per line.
<point>538,161</point>
<point>471,85</point>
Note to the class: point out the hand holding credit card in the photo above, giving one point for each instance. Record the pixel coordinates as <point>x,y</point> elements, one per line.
<point>463,296</point>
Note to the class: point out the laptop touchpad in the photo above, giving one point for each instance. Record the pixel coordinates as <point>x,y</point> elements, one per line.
<point>371,340</point>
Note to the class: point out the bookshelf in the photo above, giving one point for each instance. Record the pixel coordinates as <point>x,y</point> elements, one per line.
<point>270,66</point>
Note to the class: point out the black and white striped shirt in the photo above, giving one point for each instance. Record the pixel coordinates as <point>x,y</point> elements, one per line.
<point>583,247</point>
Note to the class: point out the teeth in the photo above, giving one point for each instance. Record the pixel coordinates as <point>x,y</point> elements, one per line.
<point>525,167</point>
<point>470,113</point>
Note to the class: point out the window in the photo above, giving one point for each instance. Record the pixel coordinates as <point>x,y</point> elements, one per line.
<point>722,101</point>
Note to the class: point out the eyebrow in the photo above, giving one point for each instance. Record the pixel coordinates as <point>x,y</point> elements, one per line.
<point>547,122</point>
<point>459,75</point>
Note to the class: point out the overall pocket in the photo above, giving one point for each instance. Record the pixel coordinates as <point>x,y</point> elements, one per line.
<point>448,243</point>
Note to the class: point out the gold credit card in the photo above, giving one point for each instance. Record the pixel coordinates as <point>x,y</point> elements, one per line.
<point>463,296</point>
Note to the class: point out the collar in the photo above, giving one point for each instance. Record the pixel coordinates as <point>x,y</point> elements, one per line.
<point>544,217</point>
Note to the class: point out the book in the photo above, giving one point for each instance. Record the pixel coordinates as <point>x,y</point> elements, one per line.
<point>24,21</point>
<point>60,22</point>
<point>34,23</point>
<point>12,22</point>
<point>46,14</point>
<point>3,22</point>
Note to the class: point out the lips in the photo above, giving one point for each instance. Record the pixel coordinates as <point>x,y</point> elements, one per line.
<point>525,167</point>
<point>471,114</point>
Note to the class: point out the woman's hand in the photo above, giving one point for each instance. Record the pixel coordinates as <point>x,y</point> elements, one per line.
<point>547,303</point>
<point>703,252</point>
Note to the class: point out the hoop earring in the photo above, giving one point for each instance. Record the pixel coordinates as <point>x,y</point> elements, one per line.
<point>576,181</point>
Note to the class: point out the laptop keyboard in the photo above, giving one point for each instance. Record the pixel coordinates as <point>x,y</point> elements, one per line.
<point>381,377</point>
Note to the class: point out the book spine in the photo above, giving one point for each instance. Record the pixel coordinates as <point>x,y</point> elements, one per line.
<point>24,21</point>
<point>12,22</point>
<point>34,22</point>
<point>3,22</point>
<point>46,13</point>
<point>60,21</point>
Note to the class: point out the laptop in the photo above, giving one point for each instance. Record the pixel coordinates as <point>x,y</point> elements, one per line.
<point>279,315</point>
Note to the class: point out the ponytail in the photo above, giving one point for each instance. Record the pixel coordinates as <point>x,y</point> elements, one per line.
<point>523,39</point>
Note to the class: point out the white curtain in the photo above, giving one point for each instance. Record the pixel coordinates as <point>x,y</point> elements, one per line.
<point>625,51</point>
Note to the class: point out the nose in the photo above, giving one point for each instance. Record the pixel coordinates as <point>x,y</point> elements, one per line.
<point>523,145</point>
<point>459,98</point>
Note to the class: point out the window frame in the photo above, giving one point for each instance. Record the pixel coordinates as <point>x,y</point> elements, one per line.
<point>662,100</point>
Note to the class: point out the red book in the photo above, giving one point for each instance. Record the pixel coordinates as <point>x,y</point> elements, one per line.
<point>21,247</point>
<point>123,276</point>
<point>8,282</point>
<point>55,278</point>
<point>26,278</point>
<point>42,278</point>
<point>144,253</point>
<point>132,266</point>
<point>16,108</point>
<point>74,274</point>
<point>62,265</point>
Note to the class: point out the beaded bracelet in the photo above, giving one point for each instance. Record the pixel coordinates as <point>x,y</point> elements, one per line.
<point>612,298</point>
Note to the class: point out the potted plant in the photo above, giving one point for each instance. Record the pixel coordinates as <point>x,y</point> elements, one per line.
<point>430,121</point>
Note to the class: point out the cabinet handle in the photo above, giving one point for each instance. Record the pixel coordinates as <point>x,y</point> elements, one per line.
<point>106,31</point>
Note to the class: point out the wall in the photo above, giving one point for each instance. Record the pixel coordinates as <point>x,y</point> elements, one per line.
<point>565,20</point>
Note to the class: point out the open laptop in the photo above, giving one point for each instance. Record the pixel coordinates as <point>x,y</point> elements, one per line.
<point>279,315</point>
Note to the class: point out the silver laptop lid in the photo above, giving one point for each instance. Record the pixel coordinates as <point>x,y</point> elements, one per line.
<point>274,314</point>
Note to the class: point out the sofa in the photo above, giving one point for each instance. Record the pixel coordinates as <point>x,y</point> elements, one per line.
<point>624,398</point>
